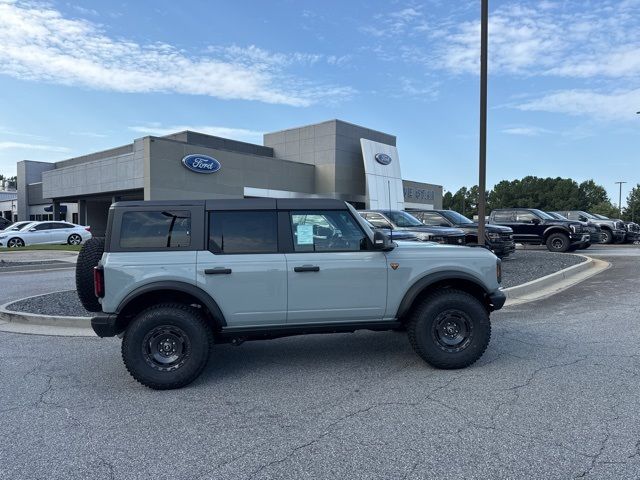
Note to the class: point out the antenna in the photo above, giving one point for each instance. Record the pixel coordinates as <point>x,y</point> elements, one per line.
<point>389,188</point>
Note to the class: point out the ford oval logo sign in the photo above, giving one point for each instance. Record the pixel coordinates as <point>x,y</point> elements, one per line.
<point>383,158</point>
<point>201,163</point>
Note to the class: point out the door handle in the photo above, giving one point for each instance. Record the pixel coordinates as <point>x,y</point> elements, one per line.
<point>217,271</point>
<point>307,268</point>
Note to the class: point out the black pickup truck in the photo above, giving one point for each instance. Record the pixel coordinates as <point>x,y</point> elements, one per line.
<point>535,227</point>
<point>499,239</point>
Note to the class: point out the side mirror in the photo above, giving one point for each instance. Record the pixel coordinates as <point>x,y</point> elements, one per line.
<point>32,229</point>
<point>381,241</point>
<point>535,221</point>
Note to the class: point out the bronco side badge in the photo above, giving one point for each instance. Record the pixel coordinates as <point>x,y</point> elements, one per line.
<point>394,265</point>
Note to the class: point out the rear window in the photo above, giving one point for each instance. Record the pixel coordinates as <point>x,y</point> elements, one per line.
<point>156,229</point>
<point>243,232</point>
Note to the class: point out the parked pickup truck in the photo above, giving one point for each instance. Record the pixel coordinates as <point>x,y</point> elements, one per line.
<point>535,227</point>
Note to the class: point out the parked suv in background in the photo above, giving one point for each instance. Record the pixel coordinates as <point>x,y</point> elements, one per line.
<point>595,232</point>
<point>401,221</point>
<point>535,227</point>
<point>633,232</point>
<point>612,230</point>
<point>498,238</point>
<point>176,278</point>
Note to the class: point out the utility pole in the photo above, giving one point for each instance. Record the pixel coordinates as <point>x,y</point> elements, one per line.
<point>482,184</point>
<point>620,199</point>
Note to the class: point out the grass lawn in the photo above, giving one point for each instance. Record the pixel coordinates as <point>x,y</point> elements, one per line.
<point>65,248</point>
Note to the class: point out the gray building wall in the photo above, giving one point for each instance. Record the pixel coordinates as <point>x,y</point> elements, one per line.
<point>28,172</point>
<point>333,147</point>
<point>166,178</point>
<point>424,193</point>
<point>34,194</point>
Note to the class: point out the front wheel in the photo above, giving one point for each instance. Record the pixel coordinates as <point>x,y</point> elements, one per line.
<point>15,243</point>
<point>167,346</point>
<point>558,242</point>
<point>450,329</point>
<point>607,237</point>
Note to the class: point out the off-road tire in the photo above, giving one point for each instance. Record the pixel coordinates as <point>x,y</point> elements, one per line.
<point>89,256</point>
<point>137,350</point>
<point>607,236</point>
<point>438,307</point>
<point>558,242</point>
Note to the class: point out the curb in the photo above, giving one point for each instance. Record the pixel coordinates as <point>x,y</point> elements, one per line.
<point>556,282</point>
<point>34,323</point>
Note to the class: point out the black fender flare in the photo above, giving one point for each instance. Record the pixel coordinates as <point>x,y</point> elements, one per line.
<point>183,287</point>
<point>430,279</point>
<point>555,229</point>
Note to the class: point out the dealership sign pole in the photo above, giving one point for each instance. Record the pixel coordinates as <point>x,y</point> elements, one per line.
<point>482,184</point>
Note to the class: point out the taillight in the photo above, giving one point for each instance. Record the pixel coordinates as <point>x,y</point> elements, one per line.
<point>98,281</point>
<point>88,229</point>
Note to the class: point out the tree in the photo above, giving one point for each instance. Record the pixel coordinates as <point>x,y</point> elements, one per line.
<point>632,210</point>
<point>605,208</point>
<point>592,194</point>
<point>447,201</point>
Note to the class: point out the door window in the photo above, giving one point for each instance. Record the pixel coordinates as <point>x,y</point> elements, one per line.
<point>431,218</point>
<point>326,231</point>
<point>503,217</point>
<point>525,217</point>
<point>44,226</point>
<point>243,232</point>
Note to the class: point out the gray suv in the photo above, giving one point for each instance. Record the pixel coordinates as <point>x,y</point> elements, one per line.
<point>175,278</point>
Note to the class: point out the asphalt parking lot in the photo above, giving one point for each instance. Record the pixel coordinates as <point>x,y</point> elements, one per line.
<point>555,396</point>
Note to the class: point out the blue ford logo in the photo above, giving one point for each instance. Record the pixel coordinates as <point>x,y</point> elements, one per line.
<point>201,163</point>
<point>383,158</point>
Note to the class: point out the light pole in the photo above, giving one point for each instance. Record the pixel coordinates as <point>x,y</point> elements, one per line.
<point>620,198</point>
<point>482,183</point>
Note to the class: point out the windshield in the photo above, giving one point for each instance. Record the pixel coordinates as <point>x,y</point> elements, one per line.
<point>557,216</point>
<point>542,214</point>
<point>455,217</point>
<point>403,219</point>
<point>601,217</point>
<point>587,215</point>
<point>21,225</point>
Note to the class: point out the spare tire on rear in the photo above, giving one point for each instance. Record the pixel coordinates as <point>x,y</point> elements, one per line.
<point>88,258</point>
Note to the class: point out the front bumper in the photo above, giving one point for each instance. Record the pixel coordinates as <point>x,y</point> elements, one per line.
<point>497,299</point>
<point>502,248</point>
<point>579,238</point>
<point>619,235</point>
<point>105,325</point>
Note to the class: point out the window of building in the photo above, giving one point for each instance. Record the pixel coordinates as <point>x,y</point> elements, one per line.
<point>74,218</point>
<point>154,229</point>
<point>243,232</point>
<point>326,231</point>
<point>32,218</point>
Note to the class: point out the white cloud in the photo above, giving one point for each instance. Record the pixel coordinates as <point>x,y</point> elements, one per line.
<point>241,134</point>
<point>38,43</point>
<point>89,134</point>
<point>32,146</point>
<point>527,131</point>
<point>618,105</point>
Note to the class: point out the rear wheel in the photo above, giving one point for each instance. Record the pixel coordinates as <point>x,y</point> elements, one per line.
<point>74,239</point>
<point>15,243</point>
<point>449,329</point>
<point>558,242</point>
<point>167,346</point>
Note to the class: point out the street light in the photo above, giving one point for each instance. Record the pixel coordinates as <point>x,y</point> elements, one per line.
<point>620,198</point>
<point>482,183</point>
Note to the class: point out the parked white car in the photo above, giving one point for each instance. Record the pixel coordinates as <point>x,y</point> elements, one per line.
<point>41,233</point>
<point>17,226</point>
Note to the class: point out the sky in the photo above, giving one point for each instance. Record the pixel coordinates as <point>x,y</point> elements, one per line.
<point>564,79</point>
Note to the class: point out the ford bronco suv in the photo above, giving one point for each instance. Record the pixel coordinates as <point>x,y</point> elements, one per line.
<point>174,278</point>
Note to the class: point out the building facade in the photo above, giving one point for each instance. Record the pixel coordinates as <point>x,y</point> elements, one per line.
<point>332,159</point>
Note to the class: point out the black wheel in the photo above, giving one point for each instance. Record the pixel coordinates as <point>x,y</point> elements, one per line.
<point>167,346</point>
<point>15,242</point>
<point>74,239</point>
<point>607,236</point>
<point>584,246</point>
<point>558,242</point>
<point>450,329</point>
<point>89,256</point>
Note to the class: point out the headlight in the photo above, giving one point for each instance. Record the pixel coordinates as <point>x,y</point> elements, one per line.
<point>438,239</point>
<point>423,237</point>
<point>493,236</point>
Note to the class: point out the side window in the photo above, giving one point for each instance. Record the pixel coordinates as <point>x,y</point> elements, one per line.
<point>378,220</point>
<point>525,217</point>
<point>154,229</point>
<point>326,231</point>
<point>243,232</point>
<point>43,226</point>
<point>429,218</point>
<point>503,216</point>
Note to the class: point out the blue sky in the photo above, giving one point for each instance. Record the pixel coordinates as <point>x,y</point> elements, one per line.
<point>76,77</point>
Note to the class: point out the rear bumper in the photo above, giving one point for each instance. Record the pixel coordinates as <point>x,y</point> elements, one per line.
<point>497,299</point>
<point>105,324</point>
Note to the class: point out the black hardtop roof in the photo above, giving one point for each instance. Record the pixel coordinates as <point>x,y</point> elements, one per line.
<point>243,204</point>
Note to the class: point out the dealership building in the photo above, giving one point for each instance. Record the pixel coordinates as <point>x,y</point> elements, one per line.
<point>332,159</point>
